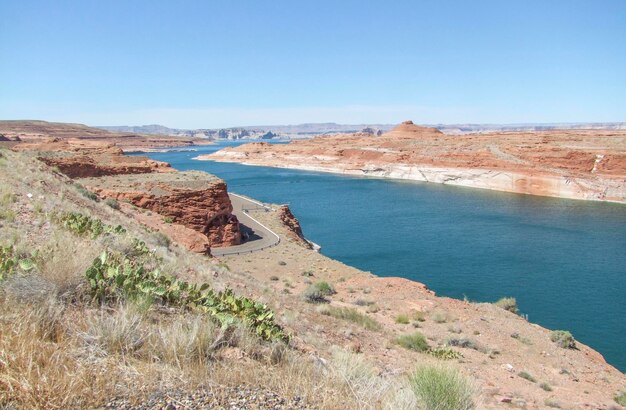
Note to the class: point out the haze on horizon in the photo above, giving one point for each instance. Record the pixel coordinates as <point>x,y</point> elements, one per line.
<point>209,65</point>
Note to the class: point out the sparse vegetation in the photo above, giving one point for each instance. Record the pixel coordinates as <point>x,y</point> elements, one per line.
<point>113,203</point>
<point>351,315</point>
<point>81,224</point>
<point>527,376</point>
<point>274,278</point>
<point>414,341</point>
<point>441,388</point>
<point>621,399</point>
<point>86,193</point>
<point>168,220</point>
<point>317,292</point>
<point>545,386</point>
<point>509,304</point>
<point>552,403</point>
<point>402,319</point>
<point>439,317</point>
<point>112,279</point>
<point>563,338</point>
<point>465,343</point>
<point>445,353</point>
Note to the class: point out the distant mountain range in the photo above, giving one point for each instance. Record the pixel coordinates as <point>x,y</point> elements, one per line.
<point>309,130</point>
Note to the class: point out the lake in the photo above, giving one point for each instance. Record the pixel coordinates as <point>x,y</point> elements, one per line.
<point>564,260</point>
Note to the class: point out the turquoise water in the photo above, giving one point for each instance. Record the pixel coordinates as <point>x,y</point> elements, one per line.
<point>564,260</point>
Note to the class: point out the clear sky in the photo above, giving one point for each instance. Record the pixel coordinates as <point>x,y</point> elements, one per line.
<point>194,64</point>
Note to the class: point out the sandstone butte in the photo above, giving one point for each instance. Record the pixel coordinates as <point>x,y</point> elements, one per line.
<point>198,213</point>
<point>577,164</point>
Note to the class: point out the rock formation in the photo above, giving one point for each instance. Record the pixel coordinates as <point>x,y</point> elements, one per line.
<point>578,164</point>
<point>293,225</point>
<point>193,199</point>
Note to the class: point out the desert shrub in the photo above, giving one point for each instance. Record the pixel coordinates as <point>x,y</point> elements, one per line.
<point>545,386</point>
<point>325,288</point>
<point>621,399</point>
<point>112,202</point>
<point>307,273</point>
<point>351,315</point>
<point>414,341</point>
<point>193,340</point>
<point>161,239</point>
<point>282,263</point>
<point>552,403</point>
<point>445,353</point>
<point>313,295</point>
<point>439,317</point>
<point>8,215</point>
<point>168,220</point>
<point>118,332</point>
<point>112,279</point>
<point>441,388</point>
<point>360,375</point>
<point>363,302</point>
<point>527,376</point>
<point>465,343</point>
<point>86,193</point>
<point>563,338</point>
<point>403,319</point>
<point>274,278</point>
<point>509,304</point>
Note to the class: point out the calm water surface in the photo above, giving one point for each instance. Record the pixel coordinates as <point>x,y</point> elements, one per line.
<point>564,260</point>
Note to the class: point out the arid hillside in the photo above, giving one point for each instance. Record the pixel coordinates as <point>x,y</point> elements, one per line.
<point>107,303</point>
<point>580,164</point>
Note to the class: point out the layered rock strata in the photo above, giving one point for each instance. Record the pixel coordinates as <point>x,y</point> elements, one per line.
<point>578,164</point>
<point>193,199</point>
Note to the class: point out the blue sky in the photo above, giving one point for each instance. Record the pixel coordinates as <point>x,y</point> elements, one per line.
<point>194,64</point>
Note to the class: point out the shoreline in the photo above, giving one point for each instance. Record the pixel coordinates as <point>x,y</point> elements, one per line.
<point>476,178</point>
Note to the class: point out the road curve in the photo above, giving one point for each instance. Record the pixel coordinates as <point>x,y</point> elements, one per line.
<point>260,236</point>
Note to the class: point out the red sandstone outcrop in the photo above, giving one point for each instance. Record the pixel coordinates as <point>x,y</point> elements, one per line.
<point>293,225</point>
<point>193,199</point>
<point>84,166</point>
<point>580,164</point>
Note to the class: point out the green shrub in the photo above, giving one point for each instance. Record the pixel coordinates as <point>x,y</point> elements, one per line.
<point>112,279</point>
<point>112,202</point>
<point>621,399</point>
<point>509,304</point>
<point>325,288</point>
<point>86,193</point>
<point>402,319</point>
<point>168,220</point>
<point>527,376</point>
<point>545,386</point>
<point>414,341</point>
<point>445,353</point>
<point>351,315</point>
<point>313,295</point>
<point>563,338</point>
<point>441,388</point>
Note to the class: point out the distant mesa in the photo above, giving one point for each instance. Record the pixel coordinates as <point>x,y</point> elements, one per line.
<point>409,129</point>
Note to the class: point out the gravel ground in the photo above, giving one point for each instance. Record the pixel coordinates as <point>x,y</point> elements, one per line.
<point>231,398</point>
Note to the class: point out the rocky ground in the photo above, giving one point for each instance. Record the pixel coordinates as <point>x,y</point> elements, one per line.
<point>580,164</point>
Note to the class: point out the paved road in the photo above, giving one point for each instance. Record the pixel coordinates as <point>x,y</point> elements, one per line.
<point>260,237</point>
